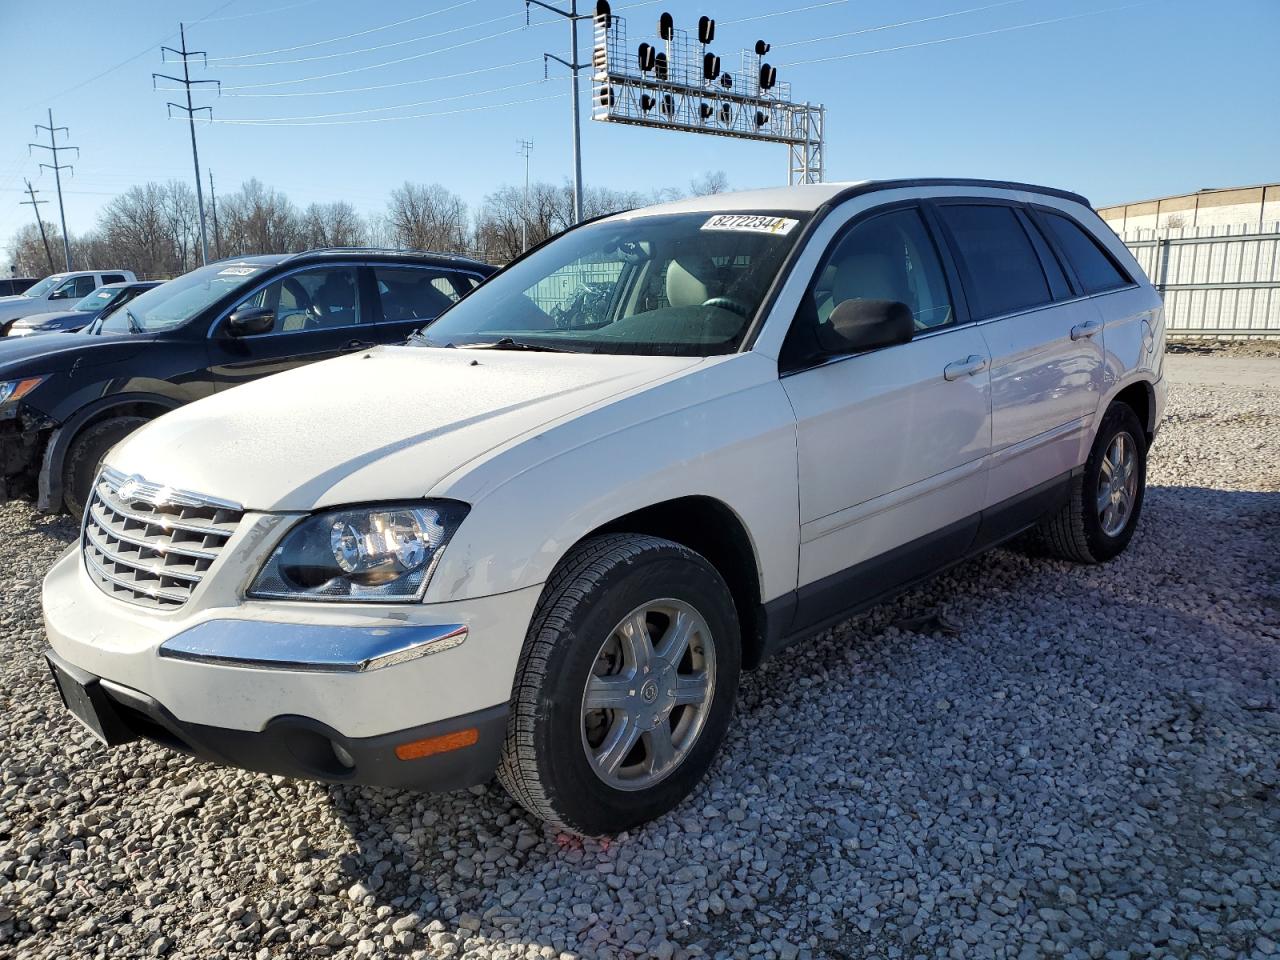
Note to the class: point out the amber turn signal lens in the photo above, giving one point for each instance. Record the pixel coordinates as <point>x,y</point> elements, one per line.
<point>417,749</point>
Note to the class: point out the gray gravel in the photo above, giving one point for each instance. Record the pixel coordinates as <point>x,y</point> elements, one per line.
<point>1086,767</point>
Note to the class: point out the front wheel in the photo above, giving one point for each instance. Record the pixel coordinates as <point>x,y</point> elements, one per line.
<point>625,687</point>
<point>1106,498</point>
<point>84,458</point>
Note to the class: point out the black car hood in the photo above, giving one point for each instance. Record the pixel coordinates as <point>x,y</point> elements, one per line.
<point>40,319</point>
<point>33,356</point>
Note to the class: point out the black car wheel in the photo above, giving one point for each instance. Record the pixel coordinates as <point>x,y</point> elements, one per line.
<point>84,458</point>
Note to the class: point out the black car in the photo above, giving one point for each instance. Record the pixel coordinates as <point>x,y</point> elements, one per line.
<point>12,286</point>
<point>65,401</point>
<point>102,301</point>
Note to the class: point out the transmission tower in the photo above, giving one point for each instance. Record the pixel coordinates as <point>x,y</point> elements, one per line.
<point>575,68</point>
<point>525,148</point>
<point>57,168</point>
<point>190,110</point>
<point>35,206</point>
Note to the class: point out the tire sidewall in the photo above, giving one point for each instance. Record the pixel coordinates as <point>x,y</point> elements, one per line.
<point>1120,418</point>
<point>85,455</point>
<point>586,802</point>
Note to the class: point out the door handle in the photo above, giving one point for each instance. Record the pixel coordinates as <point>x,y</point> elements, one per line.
<point>1087,329</point>
<point>358,345</point>
<point>970,365</point>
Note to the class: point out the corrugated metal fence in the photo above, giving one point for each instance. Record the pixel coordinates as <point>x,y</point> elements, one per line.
<point>1221,281</point>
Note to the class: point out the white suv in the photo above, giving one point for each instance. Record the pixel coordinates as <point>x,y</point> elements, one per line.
<point>545,536</point>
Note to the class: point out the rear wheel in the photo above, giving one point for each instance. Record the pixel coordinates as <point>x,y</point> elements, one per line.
<point>1106,498</point>
<point>84,458</point>
<point>625,687</point>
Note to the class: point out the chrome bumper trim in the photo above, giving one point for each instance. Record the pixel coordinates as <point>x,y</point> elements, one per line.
<point>309,647</point>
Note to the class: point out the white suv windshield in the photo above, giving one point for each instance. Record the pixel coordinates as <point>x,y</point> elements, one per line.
<point>174,303</point>
<point>687,284</point>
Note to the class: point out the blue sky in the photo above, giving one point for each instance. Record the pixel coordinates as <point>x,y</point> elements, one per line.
<point>1154,98</point>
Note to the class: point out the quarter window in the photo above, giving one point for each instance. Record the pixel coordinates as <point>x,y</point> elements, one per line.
<point>1094,267</point>
<point>415,293</point>
<point>1003,272</point>
<point>321,299</point>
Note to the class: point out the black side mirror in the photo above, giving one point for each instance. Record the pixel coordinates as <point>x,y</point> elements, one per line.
<point>251,321</point>
<point>858,325</point>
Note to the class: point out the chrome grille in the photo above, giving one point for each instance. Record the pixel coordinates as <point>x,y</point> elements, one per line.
<point>149,544</point>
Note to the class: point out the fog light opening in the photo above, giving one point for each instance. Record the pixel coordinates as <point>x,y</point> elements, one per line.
<point>344,758</point>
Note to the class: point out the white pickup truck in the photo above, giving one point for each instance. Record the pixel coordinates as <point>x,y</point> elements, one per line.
<point>56,292</point>
<point>543,537</point>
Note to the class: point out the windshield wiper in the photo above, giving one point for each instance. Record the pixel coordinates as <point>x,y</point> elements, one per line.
<point>134,325</point>
<point>508,343</point>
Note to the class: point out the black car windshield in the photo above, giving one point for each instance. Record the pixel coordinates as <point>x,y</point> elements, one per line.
<point>44,286</point>
<point>174,303</point>
<point>98,299</point>
<point>685,284</point>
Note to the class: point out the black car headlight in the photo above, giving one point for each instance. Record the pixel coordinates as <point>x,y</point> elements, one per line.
<point>376,553</point>
<point>17,389</point>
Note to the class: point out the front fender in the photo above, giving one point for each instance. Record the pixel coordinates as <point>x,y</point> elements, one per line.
<point>49,484</point>
<point>724,431</point>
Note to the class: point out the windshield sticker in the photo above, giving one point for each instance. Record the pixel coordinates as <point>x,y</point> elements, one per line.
<point>750,223</point>
<point>238,272</point>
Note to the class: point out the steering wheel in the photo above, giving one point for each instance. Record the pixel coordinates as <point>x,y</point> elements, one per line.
<point>730,304</point>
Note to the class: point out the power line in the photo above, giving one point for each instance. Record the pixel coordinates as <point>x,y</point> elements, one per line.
<point>35,208</point>
<point>209,18</point>
<point>140,54</point>
<point>416,116</point>
<point>900,23</point>
<point>968,36</point>
<point>397,106</point>
<point>57,169</point>
<point>190,110</point>
<point>786,13</point>
<point>389,86</point>
<point>375,66</point>
<point>342,53</point>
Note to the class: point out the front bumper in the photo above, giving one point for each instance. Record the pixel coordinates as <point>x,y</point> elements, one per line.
<point>270,685</point>
<point>301,747</point>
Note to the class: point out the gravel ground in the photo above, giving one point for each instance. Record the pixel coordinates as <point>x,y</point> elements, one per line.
<point>1085,766</point>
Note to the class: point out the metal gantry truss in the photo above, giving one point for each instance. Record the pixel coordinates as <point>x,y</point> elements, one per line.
<point>730,105</point>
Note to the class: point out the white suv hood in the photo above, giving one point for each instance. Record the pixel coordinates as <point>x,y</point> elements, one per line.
<point>384,425</point>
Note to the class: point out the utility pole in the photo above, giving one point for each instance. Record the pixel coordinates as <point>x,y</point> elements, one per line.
<point>35,206</point>
<point>191,112</point>
<point>526,148</point>
<point>574,68</point>
<point>57,169</point>
<point>213,202</point>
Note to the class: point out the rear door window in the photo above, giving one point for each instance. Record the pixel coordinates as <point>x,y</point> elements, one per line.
<point>1094,267</point>
<point>1002,272</point>
<point>113,278</point>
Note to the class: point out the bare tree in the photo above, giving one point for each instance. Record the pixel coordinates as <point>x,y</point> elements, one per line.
<point>332,225</point>
<point>427,217</point>
<point>135,228</point>
<point>710,183</point>
<point>26,253</point>
<point>259,219</point>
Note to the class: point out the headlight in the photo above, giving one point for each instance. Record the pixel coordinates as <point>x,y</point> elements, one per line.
<point>17,389</point>
<point>367,554</point>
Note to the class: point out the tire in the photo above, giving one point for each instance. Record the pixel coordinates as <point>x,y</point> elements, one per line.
<point>1077,532</point>
<point>580,633</point>
<point>84,458</point>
